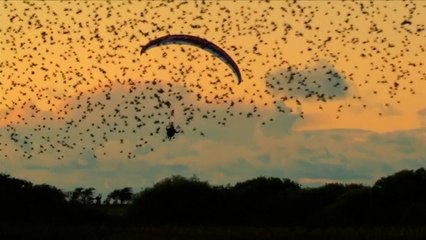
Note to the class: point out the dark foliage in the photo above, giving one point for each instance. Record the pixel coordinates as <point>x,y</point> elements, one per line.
<point>21,201</point>
<point>396,200</point>
<point>401,198</point>
<point>120,196</point>
<point>169,200</point>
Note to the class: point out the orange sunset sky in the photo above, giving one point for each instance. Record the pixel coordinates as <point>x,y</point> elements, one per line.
<point>81,107</point>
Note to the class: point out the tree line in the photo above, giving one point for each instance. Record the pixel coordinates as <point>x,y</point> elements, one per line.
<point>398,199</point>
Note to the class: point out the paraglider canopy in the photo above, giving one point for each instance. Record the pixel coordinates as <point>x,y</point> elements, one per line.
<point>198,42</point>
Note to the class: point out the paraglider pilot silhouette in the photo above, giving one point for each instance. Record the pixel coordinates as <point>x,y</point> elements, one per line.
<point>171,130</point>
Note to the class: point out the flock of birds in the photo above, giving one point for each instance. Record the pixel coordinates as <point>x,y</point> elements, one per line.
<point>73,81</point>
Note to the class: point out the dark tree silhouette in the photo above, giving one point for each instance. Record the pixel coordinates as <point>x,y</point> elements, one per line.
<point>22,201</point>
<point>395,200</point>
<point>82,195</point>
<point>120,196</point>
<point>401,197</point>
<point>98,199</point>
<point>173,200</point>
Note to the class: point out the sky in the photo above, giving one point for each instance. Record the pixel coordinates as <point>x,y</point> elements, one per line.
<point>330,92</point>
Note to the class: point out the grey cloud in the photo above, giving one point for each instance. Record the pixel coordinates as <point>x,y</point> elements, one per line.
<point>321,82</point>
<point>244,148</point>
<point>342,171</point>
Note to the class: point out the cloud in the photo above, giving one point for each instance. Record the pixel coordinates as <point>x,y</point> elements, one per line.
<point>422,116</point>
<point>114,133</point>
<point>243,148</point>
<point>339,155</point>
<point>273,149</point>
<point>321,82</point>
